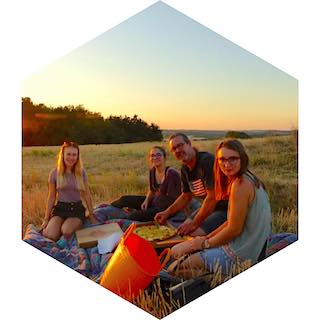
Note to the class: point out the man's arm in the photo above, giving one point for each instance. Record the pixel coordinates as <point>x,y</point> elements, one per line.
<point>178,205</point>
<point>205,210</point>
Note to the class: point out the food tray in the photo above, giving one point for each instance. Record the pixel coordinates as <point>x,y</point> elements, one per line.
<point>175,239</point>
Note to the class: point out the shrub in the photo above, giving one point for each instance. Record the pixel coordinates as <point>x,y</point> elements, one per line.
<point>237,135</point>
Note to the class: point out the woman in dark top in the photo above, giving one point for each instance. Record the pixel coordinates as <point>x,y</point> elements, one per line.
<point>164,189</point>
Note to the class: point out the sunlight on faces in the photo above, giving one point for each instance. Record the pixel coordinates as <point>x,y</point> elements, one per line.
<point>229,161</point>
<point>70,157</point>
<point>181,150</point>
<point>156,157</point>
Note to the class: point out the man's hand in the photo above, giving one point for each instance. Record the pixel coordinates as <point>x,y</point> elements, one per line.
<point>187,227</point>
<point>161,217</point>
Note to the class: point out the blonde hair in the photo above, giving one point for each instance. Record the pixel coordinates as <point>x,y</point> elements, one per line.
<point>77,169</point>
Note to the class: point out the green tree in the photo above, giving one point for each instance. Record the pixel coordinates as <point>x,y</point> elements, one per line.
<point>237,135</point>
<point>44,125</point>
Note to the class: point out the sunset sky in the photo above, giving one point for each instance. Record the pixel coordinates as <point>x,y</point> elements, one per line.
<point>171,70</point>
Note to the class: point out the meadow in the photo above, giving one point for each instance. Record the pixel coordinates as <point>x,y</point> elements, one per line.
<point>118,169</point>
<point>114,170</point>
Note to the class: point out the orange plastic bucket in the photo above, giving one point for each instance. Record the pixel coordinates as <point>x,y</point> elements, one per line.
<point>133,265</point>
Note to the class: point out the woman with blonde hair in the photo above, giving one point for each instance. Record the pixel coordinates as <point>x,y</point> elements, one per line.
<point>68,183</point>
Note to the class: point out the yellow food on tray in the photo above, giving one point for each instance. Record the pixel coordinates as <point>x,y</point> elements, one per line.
<point>153,232</point>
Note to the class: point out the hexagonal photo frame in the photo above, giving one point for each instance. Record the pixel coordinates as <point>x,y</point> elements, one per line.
<point>166,71</point>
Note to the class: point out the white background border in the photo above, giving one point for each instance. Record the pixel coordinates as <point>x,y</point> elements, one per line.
<point>35,33</point>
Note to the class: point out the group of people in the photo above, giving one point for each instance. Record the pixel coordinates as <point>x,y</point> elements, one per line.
<point>215,199</point>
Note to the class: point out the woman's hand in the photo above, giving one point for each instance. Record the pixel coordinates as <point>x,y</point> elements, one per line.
<point>144,204</point>
<point>93,219</point>
<point>44,223</point>
<point>196,243</point>
<point>186,247</point>
<point>181,249</point>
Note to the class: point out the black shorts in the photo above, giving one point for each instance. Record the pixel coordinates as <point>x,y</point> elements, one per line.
<point>69,210</point>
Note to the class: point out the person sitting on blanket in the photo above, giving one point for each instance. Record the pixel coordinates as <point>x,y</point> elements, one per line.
<point>198,185</point>
<point>65,212</point>
<point>164,188</point>
<point>244,234</point>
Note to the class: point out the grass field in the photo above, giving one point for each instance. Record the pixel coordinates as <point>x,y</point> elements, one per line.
<point>115,170</point>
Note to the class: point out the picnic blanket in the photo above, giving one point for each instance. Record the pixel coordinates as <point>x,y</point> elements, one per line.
<point>91,264</point>
<point>279,241</point>
<point>88,262</point>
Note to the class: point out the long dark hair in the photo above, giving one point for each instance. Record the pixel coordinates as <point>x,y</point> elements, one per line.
<point>222,183</point>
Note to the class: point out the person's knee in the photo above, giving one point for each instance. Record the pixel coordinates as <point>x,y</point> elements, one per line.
<point>70,227</point>
<point>51,234</point>
<point>67,231</point>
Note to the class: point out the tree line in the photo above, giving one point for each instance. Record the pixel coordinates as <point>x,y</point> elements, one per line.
<point>42,125</point>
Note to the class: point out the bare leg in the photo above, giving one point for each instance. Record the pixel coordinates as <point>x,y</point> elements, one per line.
<point>70,226</point>
<point>53,229</point>
<point>192,267</point>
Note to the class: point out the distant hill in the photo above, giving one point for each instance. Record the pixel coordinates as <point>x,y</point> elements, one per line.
<point>217,134</point>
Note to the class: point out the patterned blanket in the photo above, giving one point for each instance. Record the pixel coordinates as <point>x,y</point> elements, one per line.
<point>91,264</point>
<point>88,262</point>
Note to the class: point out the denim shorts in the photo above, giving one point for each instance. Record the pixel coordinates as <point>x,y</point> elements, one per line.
<point>215,258</point>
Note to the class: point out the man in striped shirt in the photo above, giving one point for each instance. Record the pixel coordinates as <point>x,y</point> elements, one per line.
<point>197,182</point>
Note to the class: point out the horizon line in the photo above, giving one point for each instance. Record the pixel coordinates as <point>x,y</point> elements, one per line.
<point>229,129</point>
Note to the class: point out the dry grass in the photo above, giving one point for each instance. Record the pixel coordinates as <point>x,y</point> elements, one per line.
<point>160,305</point>
<point>115,170</point>
<point>155,302</point>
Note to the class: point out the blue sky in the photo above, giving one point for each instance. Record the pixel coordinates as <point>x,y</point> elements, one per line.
<point>171,70</point>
